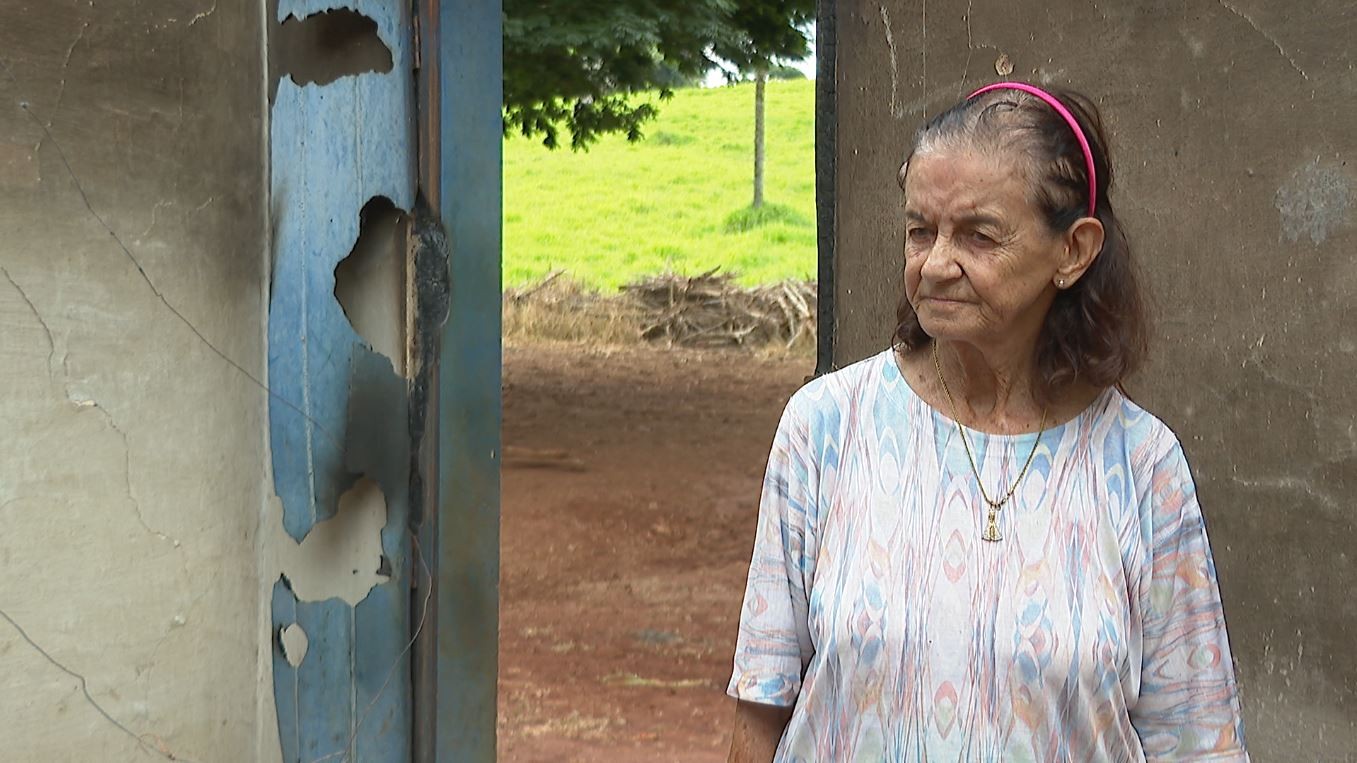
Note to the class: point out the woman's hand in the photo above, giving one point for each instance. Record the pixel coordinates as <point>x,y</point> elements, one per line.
<point>758,729</point>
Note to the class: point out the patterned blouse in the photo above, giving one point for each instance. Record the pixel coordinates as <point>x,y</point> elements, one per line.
<point>1092,631</point>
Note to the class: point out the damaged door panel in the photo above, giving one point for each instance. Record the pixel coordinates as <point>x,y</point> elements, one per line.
<point>336,144</point>
<point>326,46</point>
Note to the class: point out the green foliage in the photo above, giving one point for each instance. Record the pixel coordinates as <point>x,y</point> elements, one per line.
<point>749,218</point>
<point>785,72</point>
<point>586,66</point>
<point>766,31</point>
<point>663,138</point>
<point>622,210</point>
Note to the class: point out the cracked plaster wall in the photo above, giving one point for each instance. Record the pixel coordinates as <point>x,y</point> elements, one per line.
<point>1231,134</point>
<point>133,473</point>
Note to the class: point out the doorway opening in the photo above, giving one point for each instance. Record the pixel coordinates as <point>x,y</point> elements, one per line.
<point>655,324</point>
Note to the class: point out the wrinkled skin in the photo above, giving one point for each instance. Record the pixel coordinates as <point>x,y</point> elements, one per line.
<point>982,268</point>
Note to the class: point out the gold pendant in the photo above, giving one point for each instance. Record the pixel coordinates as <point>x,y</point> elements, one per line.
<point>992,529</point>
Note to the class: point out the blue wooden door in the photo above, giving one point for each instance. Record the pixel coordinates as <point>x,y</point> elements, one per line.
<point>338,410</point>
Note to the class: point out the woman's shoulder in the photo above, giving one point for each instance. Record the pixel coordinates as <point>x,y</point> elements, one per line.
<point>1146,438</point>
<point>844,387</point>
<point>826,403</point>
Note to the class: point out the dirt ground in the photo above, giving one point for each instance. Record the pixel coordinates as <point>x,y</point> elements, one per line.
<point>630,495</point>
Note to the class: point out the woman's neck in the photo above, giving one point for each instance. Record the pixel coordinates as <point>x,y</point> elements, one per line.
<point>992,387</point>
<point>991,394</point>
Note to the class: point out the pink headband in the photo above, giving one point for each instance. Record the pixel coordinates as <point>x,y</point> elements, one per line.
<point>1069,118</point>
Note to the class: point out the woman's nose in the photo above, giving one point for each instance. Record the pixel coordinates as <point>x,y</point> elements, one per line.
<point>940,263</point>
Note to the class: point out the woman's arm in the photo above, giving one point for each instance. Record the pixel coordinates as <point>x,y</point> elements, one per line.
<point>758,729</point>
<point>1188,708</point>
<point>774,645</point>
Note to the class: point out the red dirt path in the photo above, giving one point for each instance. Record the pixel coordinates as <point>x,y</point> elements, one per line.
<point>621,582</point>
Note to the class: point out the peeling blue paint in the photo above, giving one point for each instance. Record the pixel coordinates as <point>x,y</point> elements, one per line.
<point>334,147</point>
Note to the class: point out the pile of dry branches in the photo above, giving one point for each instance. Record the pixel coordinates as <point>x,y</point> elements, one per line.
<point>708,310</point>
<point>711,310</point>
<point>560,309</point>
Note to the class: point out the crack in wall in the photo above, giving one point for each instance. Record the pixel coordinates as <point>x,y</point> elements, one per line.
<point>148,666</point>
<point>155,210</point>
<point>896,111</point>
<point>970,49</point>
<point>160,749</point>
<point>127,252</point>
<point>66,63</point>
<point>1265,35</point>
<point>203,14</point>
<point>179,85</point>
<point>204,205</point>
<point>1293,484</point>
<point>127,467</point>
<point>146,741</point>
<point>1255,359</point>
<point>47,330</point>
<point>923,24</point>
<point>1306,483</point>
<point>61,90</point>
<point>90,403</point>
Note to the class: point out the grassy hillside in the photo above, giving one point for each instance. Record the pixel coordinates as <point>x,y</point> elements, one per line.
<point>673,201</point>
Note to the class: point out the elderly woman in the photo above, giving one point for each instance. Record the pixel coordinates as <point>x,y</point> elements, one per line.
<point>974,546</point>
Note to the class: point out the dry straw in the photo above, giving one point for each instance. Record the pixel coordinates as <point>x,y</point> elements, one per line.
<point>708,310</point>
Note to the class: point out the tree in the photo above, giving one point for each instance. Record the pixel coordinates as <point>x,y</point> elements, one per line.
<point>579,65</point>
<point>767,32</point>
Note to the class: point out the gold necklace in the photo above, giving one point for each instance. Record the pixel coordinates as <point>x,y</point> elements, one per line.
<point>992,525</point>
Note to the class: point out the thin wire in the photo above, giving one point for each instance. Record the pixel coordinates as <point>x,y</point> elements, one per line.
<point>347,752</point>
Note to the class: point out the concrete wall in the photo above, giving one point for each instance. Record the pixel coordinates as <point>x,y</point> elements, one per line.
<point>133,461</point>
<point>1232,134</point>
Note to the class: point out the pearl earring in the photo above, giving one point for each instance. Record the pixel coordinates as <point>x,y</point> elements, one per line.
<point>1060,282</point>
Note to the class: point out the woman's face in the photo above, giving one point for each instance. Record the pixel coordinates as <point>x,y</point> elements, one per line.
<point>980,262</point>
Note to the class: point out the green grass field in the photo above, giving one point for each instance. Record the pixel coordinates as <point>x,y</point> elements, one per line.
<point>673,201</point>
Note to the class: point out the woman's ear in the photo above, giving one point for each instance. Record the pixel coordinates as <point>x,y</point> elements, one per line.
<point>900,176</point>
<point>1083,243</point>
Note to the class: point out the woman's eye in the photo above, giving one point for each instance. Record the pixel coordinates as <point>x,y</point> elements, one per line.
<point>981,239</point>
<point>919,235</point>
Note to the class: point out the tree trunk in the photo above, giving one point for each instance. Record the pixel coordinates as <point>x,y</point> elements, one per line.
<point>760,80</point>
